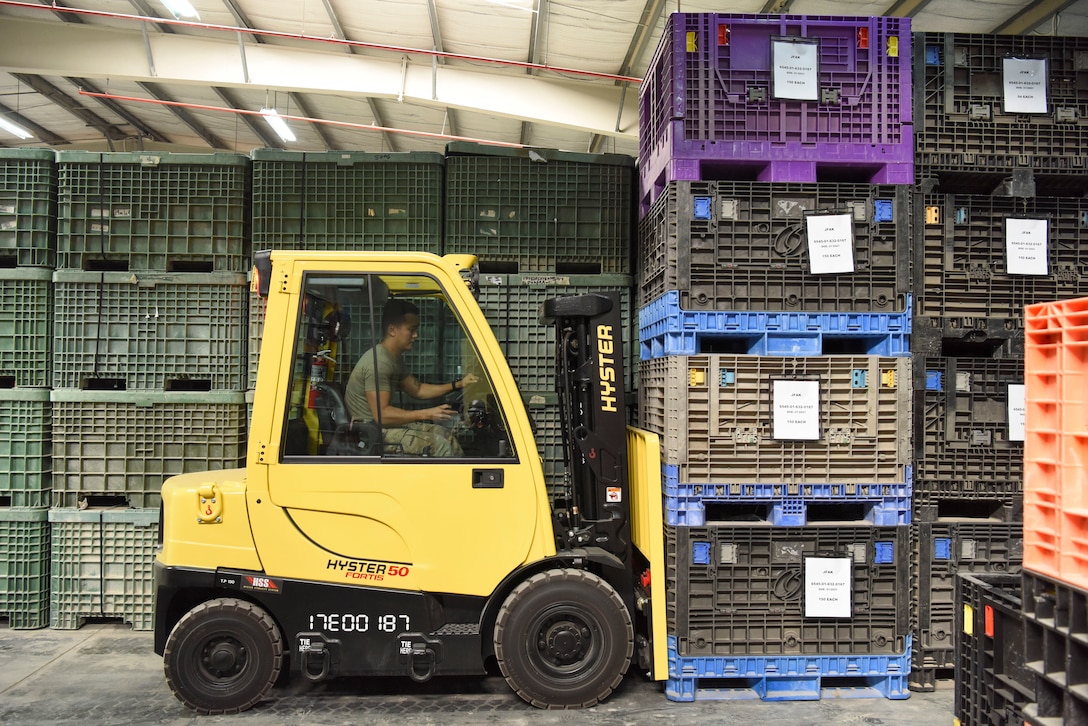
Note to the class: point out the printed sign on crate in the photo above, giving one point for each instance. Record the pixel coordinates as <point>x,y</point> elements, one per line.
<point>827,587</point>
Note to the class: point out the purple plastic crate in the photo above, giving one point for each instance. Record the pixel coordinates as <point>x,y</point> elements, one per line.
<point>713,104</point>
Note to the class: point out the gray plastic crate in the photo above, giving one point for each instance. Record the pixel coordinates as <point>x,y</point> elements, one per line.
<point>740,590</point>
<point>961,427</point>
<point>26,457</point>
<point>963,128</point>
<point>744,246</point>
<point>172,331</point>
<point>962,268</point>
<point>102,566</point>
<point>714,415</point>
<point>28,208</point>
<point>166,212</point>
<point>24,567</point>
<point>26,327</point>
<point>114,445</point>
<point>347,200</point>
<point>941,550</point>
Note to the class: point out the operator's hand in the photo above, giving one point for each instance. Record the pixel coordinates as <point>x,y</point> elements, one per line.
<point>440,413</point>
<point>468,380</point>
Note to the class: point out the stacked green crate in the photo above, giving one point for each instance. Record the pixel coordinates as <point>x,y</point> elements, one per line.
<point>149,341</point>
<point>342,200</point>
<point>28,208</point>
<point>540,210</point>
<point>102,566</point>
<point>24,567</point>
<point>28,252</point>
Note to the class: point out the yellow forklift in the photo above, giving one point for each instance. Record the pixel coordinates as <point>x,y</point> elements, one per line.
<point>336,553</point>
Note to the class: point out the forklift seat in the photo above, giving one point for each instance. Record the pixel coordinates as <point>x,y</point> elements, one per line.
<point>340,434</point>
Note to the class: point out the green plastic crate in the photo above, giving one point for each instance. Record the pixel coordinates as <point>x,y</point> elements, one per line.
<point>511,304</point>
<point>102,564</point>
<point>26,327</point>
<point>113,444</point>
<point>28,208</point>
<point>24,567</point>
<point>152,330</point>
<point>347,200</point>
<point>154,211</point>
<point>26,457</point>
<point>522,210</point>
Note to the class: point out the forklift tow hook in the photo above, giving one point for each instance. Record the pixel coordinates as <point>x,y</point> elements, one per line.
<point>319,653</point>
<point>421,657</point>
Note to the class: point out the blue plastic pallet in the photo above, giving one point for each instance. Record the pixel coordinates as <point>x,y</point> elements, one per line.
<point>664,329</point>
<point>886,505</point>
<point>787,678</point>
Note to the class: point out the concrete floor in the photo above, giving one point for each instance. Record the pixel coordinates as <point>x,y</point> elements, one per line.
<point>104,674</point>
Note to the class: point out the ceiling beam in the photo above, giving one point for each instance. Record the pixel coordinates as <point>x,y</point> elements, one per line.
<point>636,49</point>
<point>99,52</point>
<point>66,17</point>
<point>142,128</point>
<point>256,124</point>
<point>338,27</point>
<point>40,132</point>
<point>58,97</point>
<point>776,6</point>
<point>905,8</point>
<point>436,37</point>
<point>1032,17</point>
<point>307,110</point>
<point>184,116</point>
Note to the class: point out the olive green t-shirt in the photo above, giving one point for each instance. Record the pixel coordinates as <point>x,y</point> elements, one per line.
<point>391,371</point>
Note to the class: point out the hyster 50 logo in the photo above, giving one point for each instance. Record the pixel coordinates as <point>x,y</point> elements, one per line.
<point>365,570</point>
<point>606,367</point>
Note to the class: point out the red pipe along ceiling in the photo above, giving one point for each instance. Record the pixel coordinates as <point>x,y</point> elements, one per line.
<point>316,39</point>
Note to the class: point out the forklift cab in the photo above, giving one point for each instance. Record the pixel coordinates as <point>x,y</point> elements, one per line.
<point>352,496</point>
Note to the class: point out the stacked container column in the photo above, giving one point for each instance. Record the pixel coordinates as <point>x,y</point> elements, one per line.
<point>999,225</point>
<point>28,198</point>
<point>150,352</point>
<point>774,337</point>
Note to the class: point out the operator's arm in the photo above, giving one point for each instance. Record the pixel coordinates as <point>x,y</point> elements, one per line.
<point>417,389</point>
<point>394,416</point>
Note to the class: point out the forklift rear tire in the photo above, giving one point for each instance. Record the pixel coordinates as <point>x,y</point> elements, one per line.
<point>563,639</point>
<point>223,656</point>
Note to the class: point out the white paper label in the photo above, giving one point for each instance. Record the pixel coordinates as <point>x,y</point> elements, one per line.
<point>796,70</point>
<point>830,243</point>
<point>1025,85</point>
<point>1017,412</point>
<point>827,587</point>
<point>1026,247</point>
<point>796,415</point>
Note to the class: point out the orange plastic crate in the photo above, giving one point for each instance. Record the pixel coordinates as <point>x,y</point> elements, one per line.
<point>1056,440</point>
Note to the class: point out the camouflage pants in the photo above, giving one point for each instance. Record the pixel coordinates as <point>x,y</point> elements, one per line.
<point>421,439</point>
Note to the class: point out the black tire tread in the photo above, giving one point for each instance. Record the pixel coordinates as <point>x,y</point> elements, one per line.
<point>244,609</point>
<point>561,575</point>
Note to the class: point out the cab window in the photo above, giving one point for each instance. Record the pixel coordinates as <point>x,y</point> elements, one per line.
<point>382,368</point>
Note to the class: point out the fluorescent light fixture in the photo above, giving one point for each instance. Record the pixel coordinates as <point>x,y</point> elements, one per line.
<point>278,124</point>
<point>14,129</point>
<point>181,9</point>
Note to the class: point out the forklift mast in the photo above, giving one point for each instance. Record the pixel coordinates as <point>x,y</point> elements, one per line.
<point>589,381</point>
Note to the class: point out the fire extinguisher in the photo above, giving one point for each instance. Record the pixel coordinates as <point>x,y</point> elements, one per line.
<point>319,368</point>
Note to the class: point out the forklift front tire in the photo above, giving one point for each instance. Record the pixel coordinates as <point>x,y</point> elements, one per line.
<point>564,639</point>
<point>223,656</point>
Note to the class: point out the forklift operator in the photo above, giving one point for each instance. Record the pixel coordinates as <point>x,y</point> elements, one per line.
<point>381,371</point>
